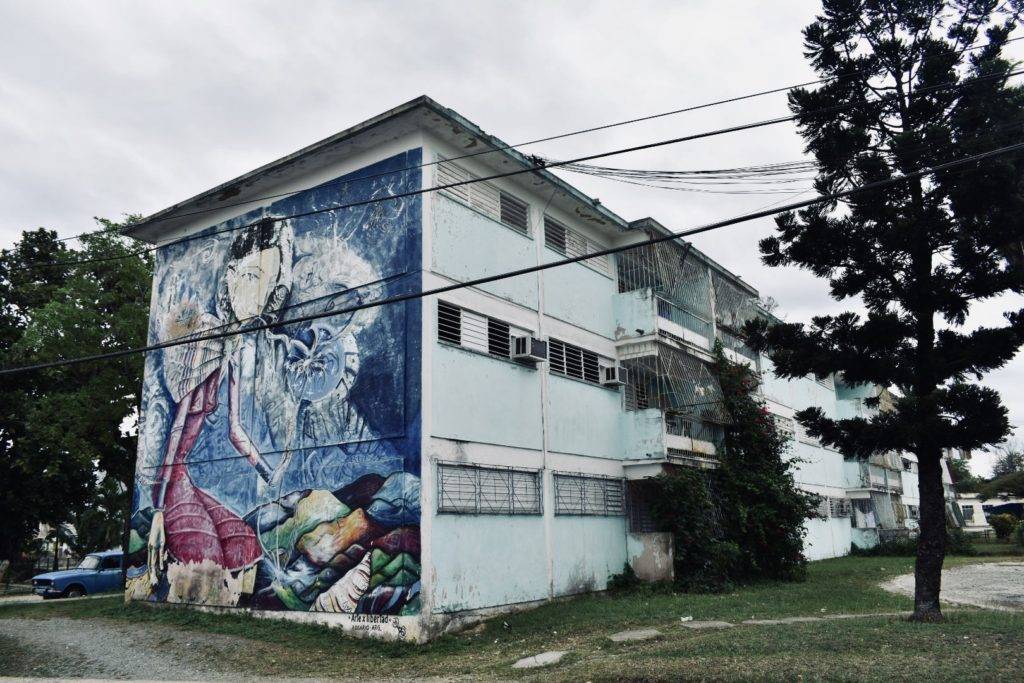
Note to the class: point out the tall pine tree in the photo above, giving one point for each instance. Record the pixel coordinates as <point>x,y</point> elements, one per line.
<point>919,255</point>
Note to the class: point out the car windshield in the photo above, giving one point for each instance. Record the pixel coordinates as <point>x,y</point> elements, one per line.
<point>89,562</point>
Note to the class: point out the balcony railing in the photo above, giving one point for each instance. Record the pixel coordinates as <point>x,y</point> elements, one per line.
<point>685,319</point>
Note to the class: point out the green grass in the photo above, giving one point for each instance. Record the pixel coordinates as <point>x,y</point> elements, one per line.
<point>971,644</point>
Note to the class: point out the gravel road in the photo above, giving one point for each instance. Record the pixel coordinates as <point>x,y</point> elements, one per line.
<point>997,585</point>
<point>100,649</point>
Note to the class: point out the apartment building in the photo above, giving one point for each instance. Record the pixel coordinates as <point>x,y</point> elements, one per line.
<point>395,470</point>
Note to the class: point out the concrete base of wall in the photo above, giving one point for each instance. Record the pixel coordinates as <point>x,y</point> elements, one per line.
<point>380,626</point>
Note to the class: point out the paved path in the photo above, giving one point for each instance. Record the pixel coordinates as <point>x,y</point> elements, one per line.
<point>994,585</point>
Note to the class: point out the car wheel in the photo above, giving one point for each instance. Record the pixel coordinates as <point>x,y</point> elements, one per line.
<point>74,592</point>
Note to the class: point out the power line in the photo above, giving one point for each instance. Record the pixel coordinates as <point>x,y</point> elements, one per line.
<point>560,136</point>
<point>539,165</point>
<point>743,218</point>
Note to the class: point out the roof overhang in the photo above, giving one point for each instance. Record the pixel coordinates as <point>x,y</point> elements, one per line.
<point>250,190</point>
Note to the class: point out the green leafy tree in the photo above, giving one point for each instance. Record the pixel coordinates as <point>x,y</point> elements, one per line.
<point>71,422</point>
<point>744,519</point>
<point>1010,461</point>
<point>918,255</point>
<point>963,480</point>
<point>762,509</point>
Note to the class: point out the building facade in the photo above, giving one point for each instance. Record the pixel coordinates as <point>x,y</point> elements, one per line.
<point>397,470</point>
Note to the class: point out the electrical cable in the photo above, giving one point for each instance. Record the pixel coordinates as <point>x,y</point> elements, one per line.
<point>535,268</point>
<point>539,165</point>
<point>560,136</point>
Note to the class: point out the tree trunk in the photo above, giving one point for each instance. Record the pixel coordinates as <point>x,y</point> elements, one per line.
<point>931,544</point>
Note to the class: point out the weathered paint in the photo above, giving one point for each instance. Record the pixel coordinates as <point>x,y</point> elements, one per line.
<point>467,244</point>
<point>650,555</point>
<point>280,469</point>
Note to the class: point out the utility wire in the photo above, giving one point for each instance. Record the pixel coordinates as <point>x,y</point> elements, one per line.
<point>539,165</point>
<point>560,136</point>
<point>743,218</point>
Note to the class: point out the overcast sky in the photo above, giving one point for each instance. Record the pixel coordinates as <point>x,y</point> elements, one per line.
<point>109,108</point>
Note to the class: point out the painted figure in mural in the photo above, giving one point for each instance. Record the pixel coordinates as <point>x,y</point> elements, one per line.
<point>188,522</point>
<point>279,467</point>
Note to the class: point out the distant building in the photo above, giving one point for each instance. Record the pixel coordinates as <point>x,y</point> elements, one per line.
<point>401,468</point>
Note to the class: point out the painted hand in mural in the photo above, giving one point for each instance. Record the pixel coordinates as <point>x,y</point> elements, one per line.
<point>156,549</point>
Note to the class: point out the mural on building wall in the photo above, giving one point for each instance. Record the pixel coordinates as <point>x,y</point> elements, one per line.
<point>279,468</point>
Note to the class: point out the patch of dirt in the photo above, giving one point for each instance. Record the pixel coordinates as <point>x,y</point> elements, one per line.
<point>997,585</point>
<point>100,649</point>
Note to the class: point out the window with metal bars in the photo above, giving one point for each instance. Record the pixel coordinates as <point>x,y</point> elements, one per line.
<point>579,494</point>
<point>839,507</point>
<point>483,196</point>
<point>477,490</point>
<point>568,242</point>
<point>474,331</point>
<point>572,361</point>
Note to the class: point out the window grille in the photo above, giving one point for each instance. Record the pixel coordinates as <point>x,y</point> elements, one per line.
<point>638,495</point>
<point>823,508</point>
<point>474,331</point>
<point>734,306</point>
<point>968,512</point>
<point>677,382</point>
<point>839,507</point>
<point>514,213</point>
<point>672,273</point>
<point>471,489</point>
<point>577,494</point>
<point>684,318</point>
<point>572,361</point>
<point>484,197</point>
<point>449,323</point>
<point>913,512</point>
<point>734,343</point>
<point>568,242</point>
<point>786,426</point>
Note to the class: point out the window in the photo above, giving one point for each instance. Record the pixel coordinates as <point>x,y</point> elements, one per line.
<point>572,361</point>
<point>474,331</point>
<point>514,213</point>
<point>568,242</point>
<point>577,494</point>
<point>786,426</point>
<point>111,562</point>
<point>913,512</point>
<point>839,507</point>
<point>968,511</point>
<point>471,489</point>
<point>484,197</point>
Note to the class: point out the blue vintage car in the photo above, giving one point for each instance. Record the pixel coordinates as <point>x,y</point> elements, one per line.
<point>96,573</point>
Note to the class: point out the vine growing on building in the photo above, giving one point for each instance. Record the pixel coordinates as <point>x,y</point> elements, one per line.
<point>744,519</point>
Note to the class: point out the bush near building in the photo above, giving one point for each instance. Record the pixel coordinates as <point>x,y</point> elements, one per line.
<point>1003,525</point>
<point>745,519</point>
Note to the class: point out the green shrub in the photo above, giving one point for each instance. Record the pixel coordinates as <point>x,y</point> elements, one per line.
<point>1003,525</point>
<point>958,542</point>
<point>625,581</point>
<point>1018,534</point>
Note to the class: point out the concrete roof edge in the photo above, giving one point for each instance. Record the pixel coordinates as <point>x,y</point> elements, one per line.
<point>177,209</point>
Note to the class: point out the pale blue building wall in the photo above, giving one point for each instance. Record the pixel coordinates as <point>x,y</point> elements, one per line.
<point>479,398</point>
<point>584,419</point>
<point>571,292</point>
<point>587,550</point>
<point>634,314</point>
<point>487,560</point>
<point>468,245</point>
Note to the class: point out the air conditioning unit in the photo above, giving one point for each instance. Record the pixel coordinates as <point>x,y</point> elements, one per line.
<point>613,375</point>
<point>528,349</point>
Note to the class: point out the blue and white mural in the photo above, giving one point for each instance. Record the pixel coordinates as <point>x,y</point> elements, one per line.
<point>279,468</point>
